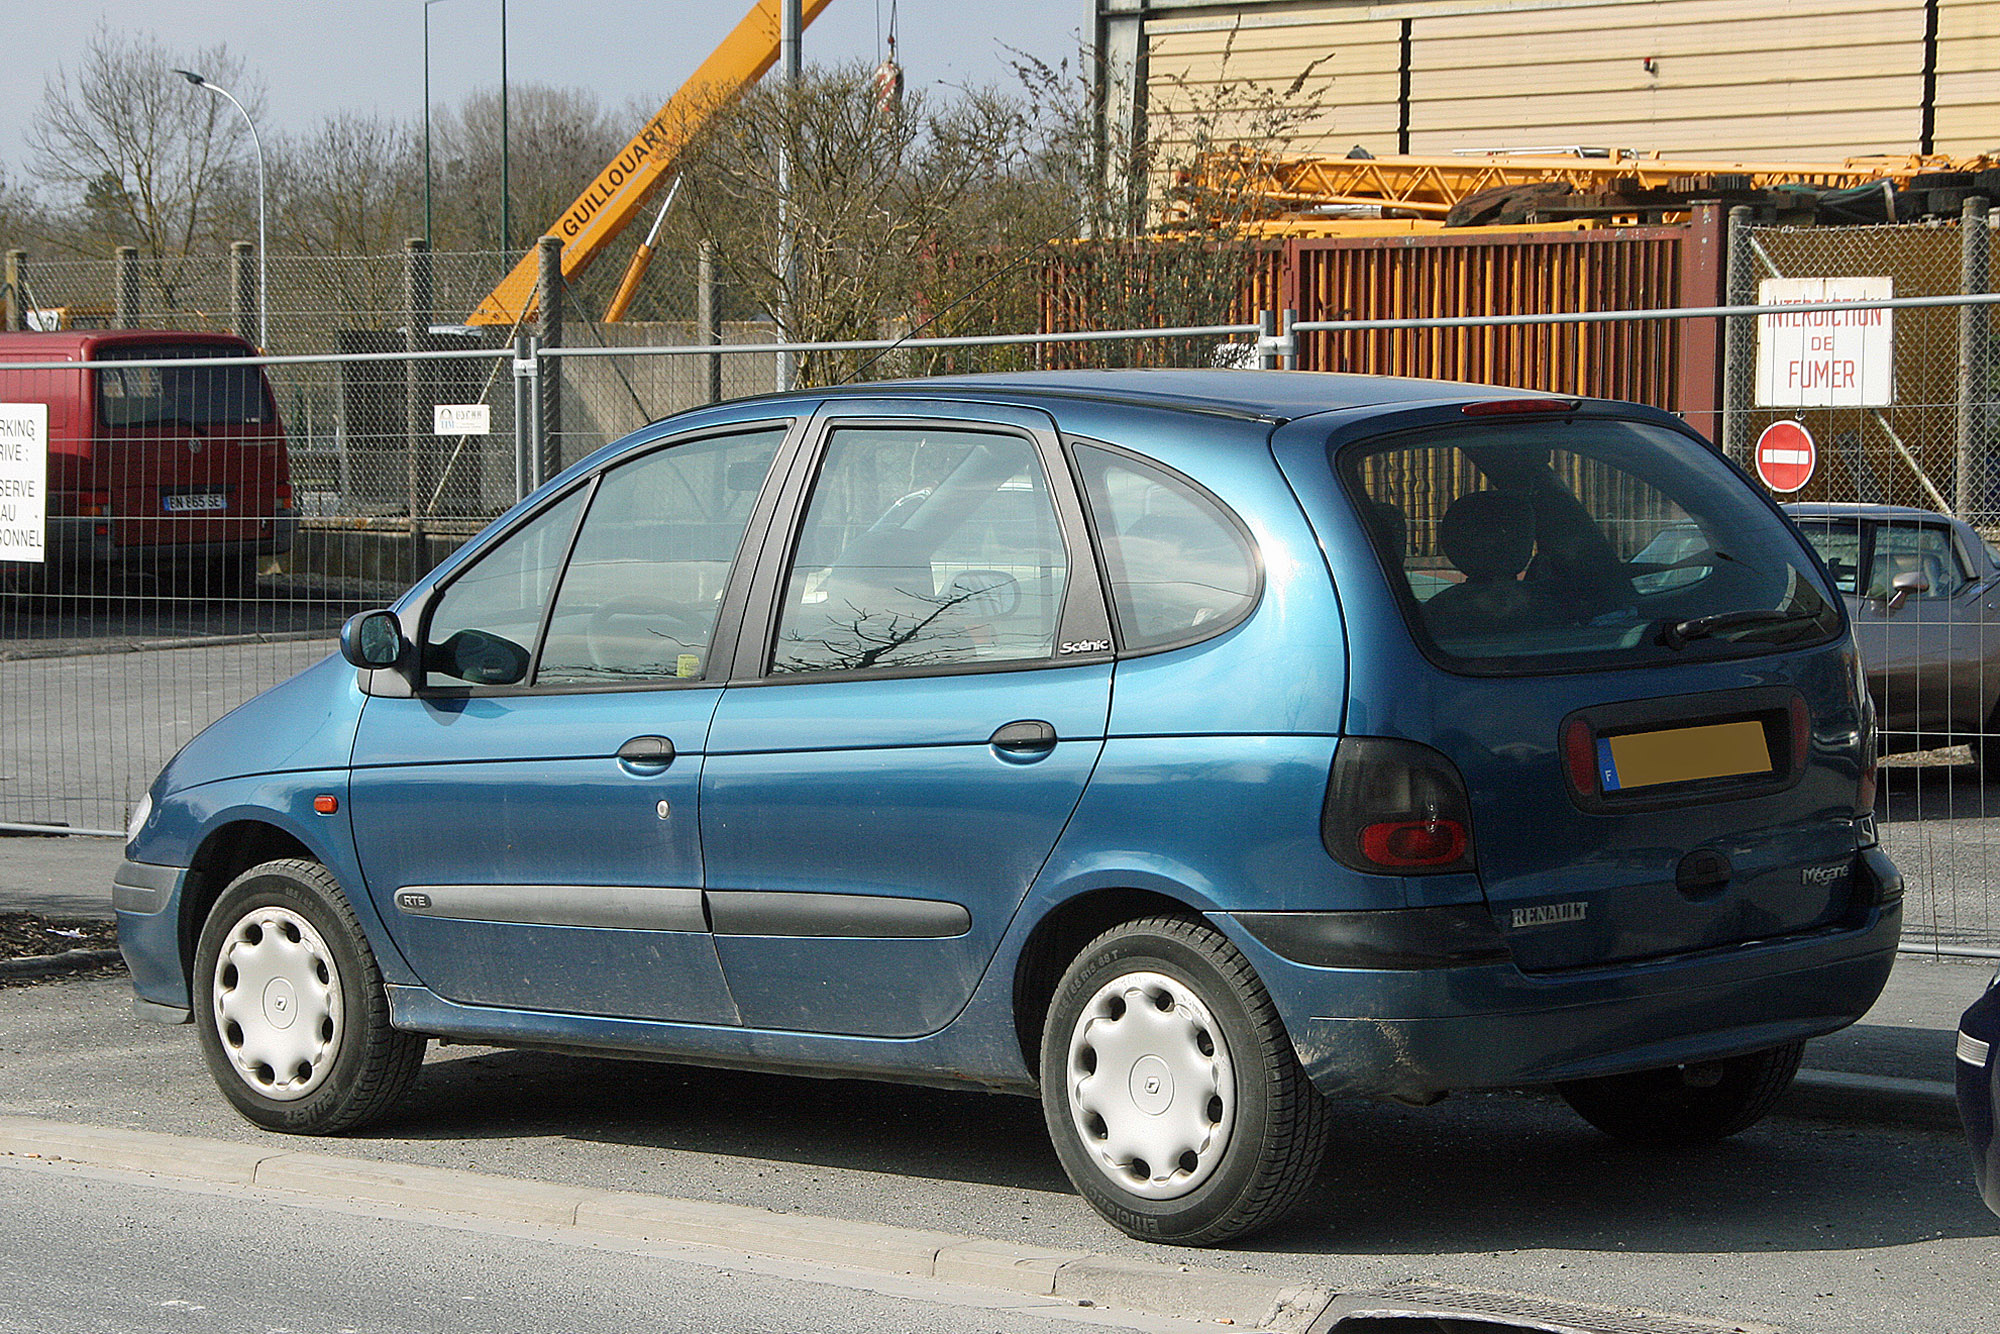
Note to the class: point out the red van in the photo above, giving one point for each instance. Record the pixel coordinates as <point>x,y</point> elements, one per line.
<point>176,471</point>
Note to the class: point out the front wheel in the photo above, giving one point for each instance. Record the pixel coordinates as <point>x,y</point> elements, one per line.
<point>1686,1104</point>
<point>1171,1090</point>
<point>290,1007</point>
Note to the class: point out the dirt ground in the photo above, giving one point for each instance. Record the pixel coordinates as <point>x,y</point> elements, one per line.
<point>26,934</point>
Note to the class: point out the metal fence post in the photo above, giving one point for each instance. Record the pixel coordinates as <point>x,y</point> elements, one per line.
<point>527,431</point>
<point>548,379</point>
<point>1267,329</point>
<point>416,408</point>
<point>16,304</point>
<point>1739,339</point>
<point>1288,358</point>
<point>708,321</point>
<point>243,291</point>
<point>125,303</point>
<point>1975,250</point>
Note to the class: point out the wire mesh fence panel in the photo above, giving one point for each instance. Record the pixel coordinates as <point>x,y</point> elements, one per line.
<point>1878,427</point>
<point>210,527</point>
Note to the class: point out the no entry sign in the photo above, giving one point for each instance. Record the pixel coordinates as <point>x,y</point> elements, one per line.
<point>1785,456</point>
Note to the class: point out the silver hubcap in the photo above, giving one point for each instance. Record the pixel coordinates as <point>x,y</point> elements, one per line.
<point>277,1003</point>
<point>1152,1092</point>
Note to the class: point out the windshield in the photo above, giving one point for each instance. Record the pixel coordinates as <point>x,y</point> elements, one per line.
<point>1567,544</point>
<point>189,395</point>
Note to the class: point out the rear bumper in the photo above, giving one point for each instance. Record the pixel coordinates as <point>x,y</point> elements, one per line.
<point>1417,1033</point>
<point>79,541</point>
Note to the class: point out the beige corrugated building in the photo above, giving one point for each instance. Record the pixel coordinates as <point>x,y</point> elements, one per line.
<point>1752,80</point>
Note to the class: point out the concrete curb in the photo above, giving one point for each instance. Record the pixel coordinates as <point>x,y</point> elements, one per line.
<point>1836,1095</point>
<point>1080,1277</point>
<point>53,965</point>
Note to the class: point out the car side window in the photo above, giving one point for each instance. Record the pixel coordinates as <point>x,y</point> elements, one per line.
<point>1923,549</point>
<point>1180,566</point>
<point>923,547</point>
<point>482,629</point>
<point>639,598</point>
<point>1839,545</point>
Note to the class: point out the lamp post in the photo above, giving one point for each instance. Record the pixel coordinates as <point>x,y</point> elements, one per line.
<point>506,229</point>
<point>263,252</point>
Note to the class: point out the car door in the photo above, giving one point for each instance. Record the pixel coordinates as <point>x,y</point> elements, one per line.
<point>528,820</point>
<point>1925,649</point>
<point>919,709</point>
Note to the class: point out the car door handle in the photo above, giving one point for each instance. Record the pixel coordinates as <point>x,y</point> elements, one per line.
<point>1027,737</point>
<point>647,752</point>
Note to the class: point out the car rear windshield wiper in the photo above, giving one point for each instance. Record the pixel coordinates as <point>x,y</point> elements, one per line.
<point>1679,634</point>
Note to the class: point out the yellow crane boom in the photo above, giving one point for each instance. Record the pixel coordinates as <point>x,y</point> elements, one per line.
<point>610,202</point>
<point>1430,186</point>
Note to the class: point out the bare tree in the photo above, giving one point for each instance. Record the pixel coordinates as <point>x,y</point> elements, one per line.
<point>557,138</point>
<point>1171,225</point>
<point>879,200</point>
<point>352,186</point>
<point>143,158</point>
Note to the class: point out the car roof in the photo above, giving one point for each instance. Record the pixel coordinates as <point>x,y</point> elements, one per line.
<point>1255,395</point>
<point>39,344</point>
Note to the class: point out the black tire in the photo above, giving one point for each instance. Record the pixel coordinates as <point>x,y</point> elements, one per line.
<point>290,1007</point>
<point>1686,1104</point>
<point>1986,748</point>
<point>1230,1095</point>
<point>232,576</point>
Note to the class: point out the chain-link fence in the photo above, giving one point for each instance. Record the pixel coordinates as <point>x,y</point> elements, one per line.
<point>1898,402</point>
<point>102,678</point>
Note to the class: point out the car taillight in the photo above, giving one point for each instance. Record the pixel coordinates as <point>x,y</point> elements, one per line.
<point>1396,807</point>
<point>90,504</point>
<point>1516,407</point>
<point>284,495</point>
<point>1580,757</point>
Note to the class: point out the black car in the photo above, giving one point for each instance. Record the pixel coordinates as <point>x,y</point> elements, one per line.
<point>1979,1088</point>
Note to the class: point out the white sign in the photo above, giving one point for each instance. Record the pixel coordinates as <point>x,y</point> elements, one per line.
<point>24,480</point>
<point>462,419</point>
<point>1825,358</point>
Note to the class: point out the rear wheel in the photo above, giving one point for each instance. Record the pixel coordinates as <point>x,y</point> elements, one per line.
<point>232,576</point>
<point>1986,748</point>
<point>1686,1104</point>
<point>1170,1088</point>
<point>290,1007</point>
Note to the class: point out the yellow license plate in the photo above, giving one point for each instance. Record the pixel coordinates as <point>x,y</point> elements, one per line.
<point>1682,755</point>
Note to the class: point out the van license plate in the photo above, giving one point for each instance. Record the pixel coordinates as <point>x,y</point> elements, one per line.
<point>201,500</point>
<point>1681,755</point>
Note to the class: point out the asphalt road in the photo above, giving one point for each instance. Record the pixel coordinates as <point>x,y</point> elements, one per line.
<point>83,1249</point>
<point>1800,1225</point>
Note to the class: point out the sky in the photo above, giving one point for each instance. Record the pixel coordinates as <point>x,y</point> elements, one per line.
<point>318,57</point>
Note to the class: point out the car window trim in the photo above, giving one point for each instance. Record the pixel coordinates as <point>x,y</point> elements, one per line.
<point>1199,634</point>
<point>1083,619</point>
<point>729,611</point>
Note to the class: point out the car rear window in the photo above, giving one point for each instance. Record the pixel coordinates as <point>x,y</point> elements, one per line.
<point>1580,543</point>
<point>183,395</point>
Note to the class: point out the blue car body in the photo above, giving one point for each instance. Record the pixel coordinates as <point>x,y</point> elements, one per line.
<point>850,874</point>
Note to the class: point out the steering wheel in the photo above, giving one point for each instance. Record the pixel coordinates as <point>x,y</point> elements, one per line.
<point>679,628</point>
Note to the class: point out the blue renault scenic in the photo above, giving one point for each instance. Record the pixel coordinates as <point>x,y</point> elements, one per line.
<point>1185,748</point>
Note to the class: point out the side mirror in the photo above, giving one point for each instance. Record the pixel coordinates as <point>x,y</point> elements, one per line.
<point>373,639</point>
<point>1903,586</point>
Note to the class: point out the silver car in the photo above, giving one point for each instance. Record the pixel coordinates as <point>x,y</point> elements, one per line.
<point>1923,592</point>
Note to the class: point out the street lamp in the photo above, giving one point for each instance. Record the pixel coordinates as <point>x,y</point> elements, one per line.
<point>505,221</point>
<point>263,252</point>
